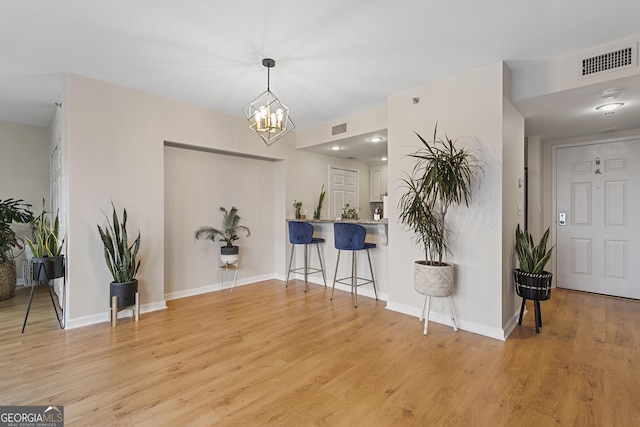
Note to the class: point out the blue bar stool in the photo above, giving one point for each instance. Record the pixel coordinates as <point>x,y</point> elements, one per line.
<point>301,233</point>
<point>350,237</point>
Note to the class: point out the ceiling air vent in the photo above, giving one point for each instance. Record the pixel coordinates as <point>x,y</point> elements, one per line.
<point>338,129</point>
<point>621,58</point>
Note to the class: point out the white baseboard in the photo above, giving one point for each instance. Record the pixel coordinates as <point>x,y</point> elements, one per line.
<point>215,287</point>
<point>444,319</point>
<point>104,317</point>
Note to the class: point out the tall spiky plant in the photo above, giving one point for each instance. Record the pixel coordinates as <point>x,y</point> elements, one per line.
<point>532,257</point>
<point>118,254</point>
<point>230,228</point>
<point>46,242</point>
<point>318,209</point>
<point>443,176</point>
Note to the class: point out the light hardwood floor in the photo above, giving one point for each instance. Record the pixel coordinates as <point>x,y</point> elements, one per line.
<point>266,354</point>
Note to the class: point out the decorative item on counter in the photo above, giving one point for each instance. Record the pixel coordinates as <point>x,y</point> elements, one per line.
<point>349,212</point>
<point>318,209</point>
<point>377,214</point>
<point>297,205</point>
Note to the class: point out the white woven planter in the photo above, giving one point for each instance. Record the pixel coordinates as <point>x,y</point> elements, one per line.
<point>433,281</point>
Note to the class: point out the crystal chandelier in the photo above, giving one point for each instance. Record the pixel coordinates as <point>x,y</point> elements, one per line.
<point>267,116</point>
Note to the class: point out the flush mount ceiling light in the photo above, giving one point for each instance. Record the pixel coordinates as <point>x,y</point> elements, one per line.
<point>610,107</point>
<point>375,139</point>
<point>336,147</point>
<point>267,116</point>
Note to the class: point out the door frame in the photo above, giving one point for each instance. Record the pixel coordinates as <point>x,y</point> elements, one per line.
<point>329,189</point>
<point>553,221</point>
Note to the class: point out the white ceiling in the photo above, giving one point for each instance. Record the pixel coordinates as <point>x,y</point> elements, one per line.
<point>333,58</point>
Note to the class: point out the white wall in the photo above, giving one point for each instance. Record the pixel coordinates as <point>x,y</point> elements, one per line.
<point>197,183</point>
<point>469,106</point>
<point>24,170</point>
<point>24,164</point>
<point>357,124</point>
<point>116,151</point>
<point>534,184</point>
<point>564,73</point>
<point>513,207</point>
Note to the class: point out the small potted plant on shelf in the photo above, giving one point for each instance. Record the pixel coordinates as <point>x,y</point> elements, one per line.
<point>318,209</point>
<point>229,253</point>
<point>121,259</point>
<point>297,206</point>
<point>46,247</point>
<point>349,213</point>
<point>11,210</point>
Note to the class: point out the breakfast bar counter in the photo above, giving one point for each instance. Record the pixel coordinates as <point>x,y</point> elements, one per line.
<point>376,233</point>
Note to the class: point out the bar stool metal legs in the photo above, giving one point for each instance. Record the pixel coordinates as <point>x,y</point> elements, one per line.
<point>353,279</point>
<point>350,237</point>
<point>301,233</point>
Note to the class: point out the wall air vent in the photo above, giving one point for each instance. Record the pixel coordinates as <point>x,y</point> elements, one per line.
<point>615,60</point>
<point>338,129</point>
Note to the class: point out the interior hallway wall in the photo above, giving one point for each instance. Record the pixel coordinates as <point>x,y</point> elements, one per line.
<point>24,171</point>
<point>197,184</point>
<point>467,106</point>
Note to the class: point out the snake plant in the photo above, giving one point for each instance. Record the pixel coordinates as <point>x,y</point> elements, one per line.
<point>118,254</point>
<point>532,257</point>
<point>46,242</point>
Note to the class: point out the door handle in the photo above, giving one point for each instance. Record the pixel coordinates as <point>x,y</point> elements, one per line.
<point>562,218</point>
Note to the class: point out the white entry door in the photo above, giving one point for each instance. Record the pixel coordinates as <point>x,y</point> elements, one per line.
<point>598,218</point>
<point>343,190</point>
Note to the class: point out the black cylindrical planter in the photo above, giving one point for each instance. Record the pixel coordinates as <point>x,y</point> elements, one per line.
<point>126,293</point>
<point>229,250</point>
<point>48,268</point>
<point>533,286</point>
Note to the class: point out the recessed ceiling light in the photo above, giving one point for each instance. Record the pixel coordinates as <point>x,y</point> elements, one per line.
<point>336,147</point>
<point>384,159</point>
<point>610,107</point>
<point>375,139</point>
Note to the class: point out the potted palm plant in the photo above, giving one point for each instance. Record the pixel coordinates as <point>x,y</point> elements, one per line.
<point>11,210</point>
<point>443,176</point>
<point>531,281</point>
<point>121,259</point>
<point>228,234</point>
<point>46,247</point>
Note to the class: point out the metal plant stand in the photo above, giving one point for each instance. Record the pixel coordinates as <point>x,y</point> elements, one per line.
<point>29,281</point>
